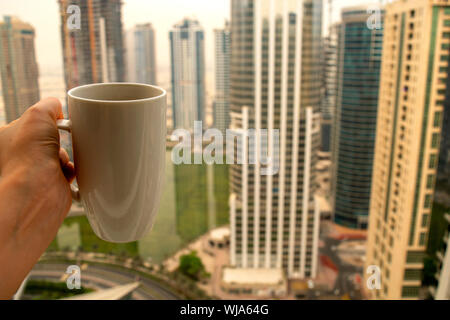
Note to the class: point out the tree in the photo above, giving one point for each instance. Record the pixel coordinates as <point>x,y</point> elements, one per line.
<point>191,266</point>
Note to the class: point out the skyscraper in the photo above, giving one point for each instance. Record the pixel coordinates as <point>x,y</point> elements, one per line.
<point>94,52</point>
<point>221,107</point>
<point>275,84</point>
<point>328,104</point>
<point>18,67</point>
<point>188,73</point>
<point>141,54</point>
<point>355,121</point>
<point>413,83</point>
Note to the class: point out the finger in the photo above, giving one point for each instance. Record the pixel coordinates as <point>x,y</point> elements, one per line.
<point>63,156</point>
<point>50,106</point>
<point>66,166</point>
<point>69,171</point>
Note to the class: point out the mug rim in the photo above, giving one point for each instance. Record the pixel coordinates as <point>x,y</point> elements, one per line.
<point>71,92</point>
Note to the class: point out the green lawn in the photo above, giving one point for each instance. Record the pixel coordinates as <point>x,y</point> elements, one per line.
<point>91,243</point>
<point>192,199</point>
<point>49,290</point>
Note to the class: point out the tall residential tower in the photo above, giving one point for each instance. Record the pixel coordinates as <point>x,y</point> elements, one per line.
<point>221,107</point>
<point>275,84</point>
<point>141,54</point>
<point>188,73</point>
<point>414,76</point>
<point>18,67</point>
<point>94,52</point>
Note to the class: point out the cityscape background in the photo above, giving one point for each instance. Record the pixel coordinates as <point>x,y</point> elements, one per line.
<point>360,93</point>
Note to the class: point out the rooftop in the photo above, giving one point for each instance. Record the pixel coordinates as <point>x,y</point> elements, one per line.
<point>252,276</point>
<point>220,233</point>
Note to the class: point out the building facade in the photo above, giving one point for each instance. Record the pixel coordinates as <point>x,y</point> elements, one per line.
<point>275,84</point>
<point>354,129</point>
<point>18,67</point>
<point>444,154</point>
<point>141,54</point>
<point>188,73</point>
<point>94,52</point>
<point>413,83</point>
<point>221,107</point>
<point>328,104</point>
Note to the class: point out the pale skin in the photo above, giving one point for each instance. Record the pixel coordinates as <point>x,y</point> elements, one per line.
<point>35,176</point>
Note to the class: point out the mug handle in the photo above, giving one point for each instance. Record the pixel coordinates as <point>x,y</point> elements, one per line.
<point>66,125</point>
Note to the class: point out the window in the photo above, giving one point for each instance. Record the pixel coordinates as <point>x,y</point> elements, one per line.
<point>432,162</point>
<point>430,181</point>
<point>410,291</point>
<point>427,202</point>
<point>415,257</point>
<point>437,119</point>
<point>412,274</point>
<point>425,218</point>
<point>435,140</point>
<point>422,238</point>
<point>447,23</point>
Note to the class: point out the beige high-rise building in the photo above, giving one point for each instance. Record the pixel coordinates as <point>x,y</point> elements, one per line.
<point>18,67</point>
<point>413,81</point>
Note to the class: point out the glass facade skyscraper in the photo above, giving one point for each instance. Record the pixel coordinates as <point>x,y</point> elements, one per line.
<point>359,61</point>
<point>141,54</point>
<point>188,73</point>
<point>221,107</point>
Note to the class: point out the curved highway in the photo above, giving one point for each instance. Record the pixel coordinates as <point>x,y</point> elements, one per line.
<point>105,276</point>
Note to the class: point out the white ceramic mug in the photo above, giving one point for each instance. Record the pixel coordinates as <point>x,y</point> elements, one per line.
<point>118,137</point>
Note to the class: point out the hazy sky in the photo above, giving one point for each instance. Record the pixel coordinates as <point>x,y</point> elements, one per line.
<point>163,14</point>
